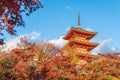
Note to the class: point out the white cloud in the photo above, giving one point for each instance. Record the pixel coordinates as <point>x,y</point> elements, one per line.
<point>67,28</point>
<point>60,42</point>
<point>69,7</point>
<point>88,29</point>
<point>103,46</point>
<point>34,35</point>
<point>115,49</point>
<point>12,43</point>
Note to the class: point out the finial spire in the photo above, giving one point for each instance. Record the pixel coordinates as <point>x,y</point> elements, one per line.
<point>78,19</point>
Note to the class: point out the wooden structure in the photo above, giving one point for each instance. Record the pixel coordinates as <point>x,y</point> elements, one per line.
<point>79,39</point>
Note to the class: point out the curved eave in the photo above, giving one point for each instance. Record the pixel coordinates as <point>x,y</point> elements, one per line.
<point>86,44</point>
<point>79,31</point>
<point>92,45</point>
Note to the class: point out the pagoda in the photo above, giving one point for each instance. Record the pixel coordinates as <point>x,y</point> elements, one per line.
<point>79,39</point>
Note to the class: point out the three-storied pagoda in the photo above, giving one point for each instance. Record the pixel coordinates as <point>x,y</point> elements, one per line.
<point>79,39</point>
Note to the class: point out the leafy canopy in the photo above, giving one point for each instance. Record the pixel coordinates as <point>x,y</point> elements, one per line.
<point>10,13</point>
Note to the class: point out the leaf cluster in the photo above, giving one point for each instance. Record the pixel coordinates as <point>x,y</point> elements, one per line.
<point>46,62</point>
<point>11,13</point>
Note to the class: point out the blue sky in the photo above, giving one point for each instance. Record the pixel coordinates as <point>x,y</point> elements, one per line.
<point>54,19</point>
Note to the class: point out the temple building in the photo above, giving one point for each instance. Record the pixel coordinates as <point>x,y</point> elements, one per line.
<point>79,39</point>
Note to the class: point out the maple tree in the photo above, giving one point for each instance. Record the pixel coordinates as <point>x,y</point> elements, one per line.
<point>11,13</point>
<point>46,62</point>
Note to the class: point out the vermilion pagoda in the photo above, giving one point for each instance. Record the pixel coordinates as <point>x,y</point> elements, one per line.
<point>79,39</point>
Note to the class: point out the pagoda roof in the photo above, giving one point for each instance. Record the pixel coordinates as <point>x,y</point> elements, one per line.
<point>70,33</point>
<point>82,43</point>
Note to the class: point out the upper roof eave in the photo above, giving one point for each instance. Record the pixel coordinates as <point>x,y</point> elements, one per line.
<point>67,36</point>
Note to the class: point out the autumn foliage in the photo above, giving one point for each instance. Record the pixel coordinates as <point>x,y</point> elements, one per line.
<point>11,12</point>
<point>46,62</point>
